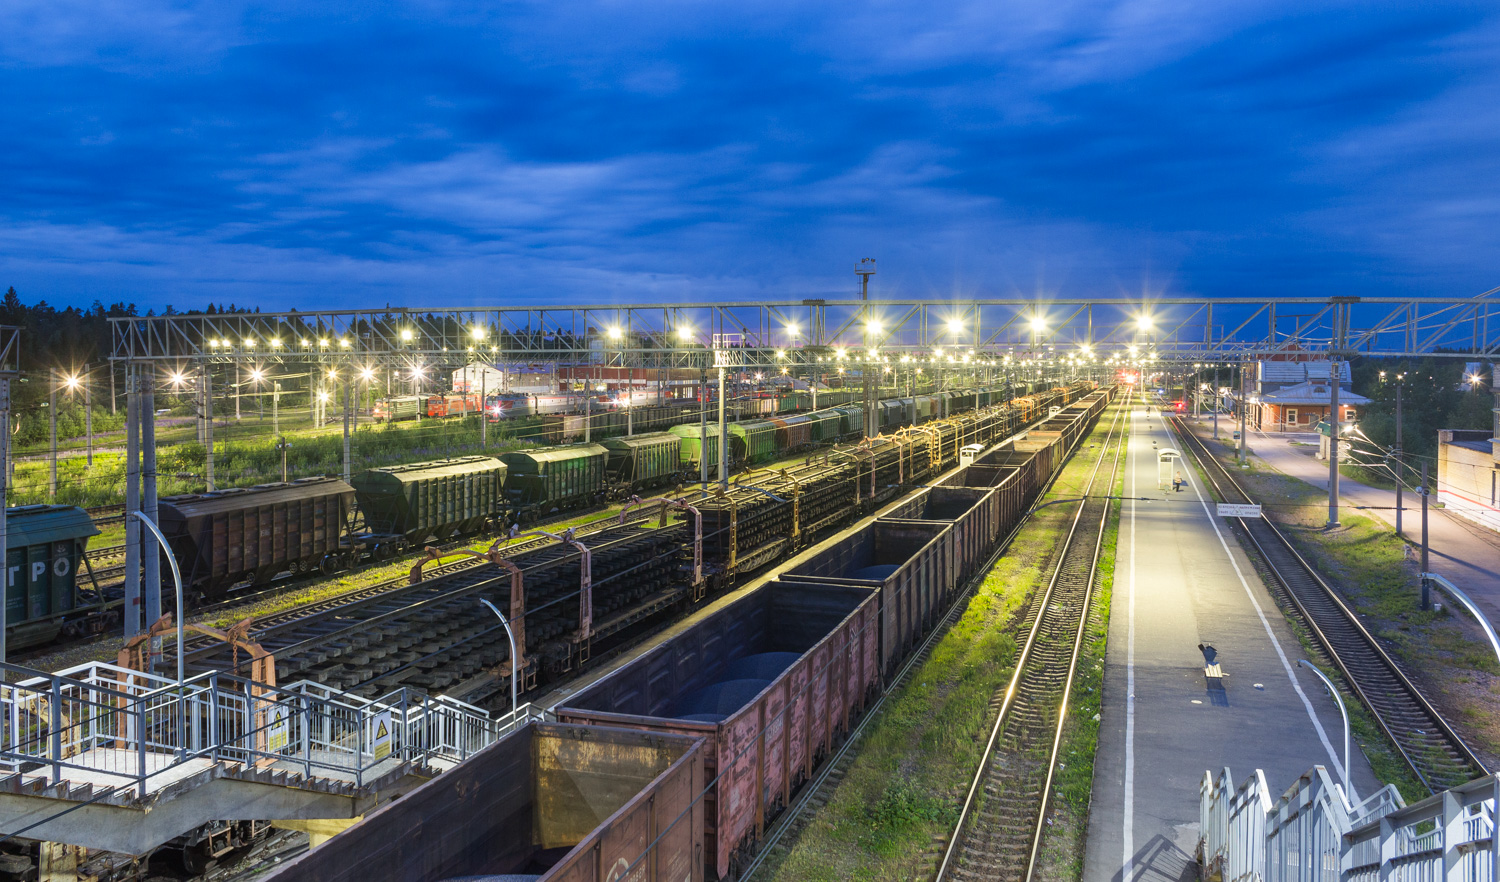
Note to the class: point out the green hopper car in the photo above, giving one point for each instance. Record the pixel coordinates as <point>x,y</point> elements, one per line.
<point>541,481</point>
<point>689,435</point>
<point>430,500</point>
<point>45,546</point>
<point>639,462</point>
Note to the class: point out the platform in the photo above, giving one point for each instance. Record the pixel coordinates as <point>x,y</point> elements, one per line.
<point>1181,580</point>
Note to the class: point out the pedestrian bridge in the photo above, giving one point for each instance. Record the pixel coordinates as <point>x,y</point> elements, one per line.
<point>107,757</point>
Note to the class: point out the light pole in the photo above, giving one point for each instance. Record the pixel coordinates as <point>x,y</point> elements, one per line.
<point>52,420</point>
<point>1349,794</point>
<point>282,446</point>
<point>72,382</point>
<point>514,662</point>
<point>866,269</point>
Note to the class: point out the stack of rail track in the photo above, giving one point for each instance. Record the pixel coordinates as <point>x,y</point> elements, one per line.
<point>1000,825</point>
<point>1430,747</point>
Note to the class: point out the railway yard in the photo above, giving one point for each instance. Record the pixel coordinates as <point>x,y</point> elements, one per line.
<point>990,643</point>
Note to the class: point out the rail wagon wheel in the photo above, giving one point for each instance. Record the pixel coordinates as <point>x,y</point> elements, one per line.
<point>329,564</point>
<point>382,551</point>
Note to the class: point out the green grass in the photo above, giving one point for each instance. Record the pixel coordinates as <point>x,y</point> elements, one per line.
<point>904,788</point>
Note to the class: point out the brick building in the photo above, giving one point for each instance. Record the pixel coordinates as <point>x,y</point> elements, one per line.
<point>1293,396</point>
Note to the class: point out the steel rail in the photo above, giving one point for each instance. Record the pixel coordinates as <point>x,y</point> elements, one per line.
<point>1055,599</point>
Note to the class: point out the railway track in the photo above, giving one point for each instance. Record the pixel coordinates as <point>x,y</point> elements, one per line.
<point>820,789</point>
<point>1431,748</point>
<point>1000,826</point>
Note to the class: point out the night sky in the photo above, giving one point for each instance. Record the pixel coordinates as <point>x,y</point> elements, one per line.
<point>308,155</point>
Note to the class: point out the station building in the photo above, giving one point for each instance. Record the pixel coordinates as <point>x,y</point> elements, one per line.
<point>1294,396</point>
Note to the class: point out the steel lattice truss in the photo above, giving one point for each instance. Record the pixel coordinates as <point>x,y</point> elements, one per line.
<point>684,335</point>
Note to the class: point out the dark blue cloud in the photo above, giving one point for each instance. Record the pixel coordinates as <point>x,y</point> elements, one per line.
<point>426,153</point>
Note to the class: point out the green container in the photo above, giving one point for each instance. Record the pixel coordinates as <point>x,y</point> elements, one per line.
<point>44,544</point>
<point>643,460</point>
<point>554,478</point>
<point>430,499</point>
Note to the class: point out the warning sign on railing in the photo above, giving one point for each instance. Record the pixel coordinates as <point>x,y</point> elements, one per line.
<point>1233,510</point>
<point>380,735</point>
<point>279,733</point>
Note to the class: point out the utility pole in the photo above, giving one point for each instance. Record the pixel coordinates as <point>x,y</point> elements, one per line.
<point>5,578</point>
<point>866,269</point>
<point>723,433</point>
<point>132,608</point>
<point>275,407</point>
<point>207,375</point>
<point>1399,471</point>
<point>88,420</point>
<point>1333,446</point>
<point>346,430</point>
<point>52,419</point>
<point>703,428</point>
<point>1215,401</point>
<point>484,409</point>
<point>151,559</point>
<point>1426,588</point>
<point>1244,409</point>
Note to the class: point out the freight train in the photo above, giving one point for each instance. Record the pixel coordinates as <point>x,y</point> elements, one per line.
<point>719,722</point>
<point>228,537</point>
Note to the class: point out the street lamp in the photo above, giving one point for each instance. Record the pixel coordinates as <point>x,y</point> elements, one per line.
<point>515,663</point>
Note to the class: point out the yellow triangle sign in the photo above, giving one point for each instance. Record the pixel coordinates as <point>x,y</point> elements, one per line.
<point>381,732</point>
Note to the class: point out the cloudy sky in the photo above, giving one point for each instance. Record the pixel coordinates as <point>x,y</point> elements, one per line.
<point>326,154</point>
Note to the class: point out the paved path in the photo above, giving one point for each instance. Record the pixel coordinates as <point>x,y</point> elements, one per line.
<point>1181,580</point>
<point>1462,551</point>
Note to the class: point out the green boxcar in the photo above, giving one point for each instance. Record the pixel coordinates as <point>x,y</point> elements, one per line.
<point>543,480</point>
<point>688,434</point>
<point>753,440</point>
<point>647,460</point>
<point>44,548</point>
<point>430,499</point>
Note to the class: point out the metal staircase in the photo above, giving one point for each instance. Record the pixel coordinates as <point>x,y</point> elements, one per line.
<point>108,757</point>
